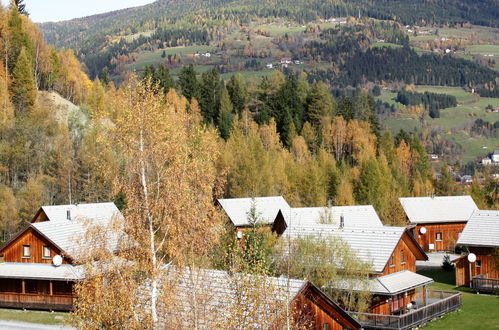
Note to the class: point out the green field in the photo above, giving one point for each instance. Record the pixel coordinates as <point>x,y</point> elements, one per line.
<point>453,122</point>
<point>39,317</point>
<point>385,44</point>
<point>477,312</point>
<point>461,95</point>
<point>153,58</point>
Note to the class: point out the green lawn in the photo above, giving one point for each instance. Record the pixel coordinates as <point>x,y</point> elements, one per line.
<point>33,316</point>
<point>478,311</point>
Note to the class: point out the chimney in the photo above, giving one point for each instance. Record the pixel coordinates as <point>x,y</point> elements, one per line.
<point>342,221</point>
<point>68,214</point>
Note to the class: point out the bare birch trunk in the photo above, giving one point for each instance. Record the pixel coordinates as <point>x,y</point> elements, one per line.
<point>154,280</point>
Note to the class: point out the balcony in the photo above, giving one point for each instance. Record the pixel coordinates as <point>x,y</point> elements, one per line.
<point>36,301</point>
<point>437,303</point>
<point>481,283</point>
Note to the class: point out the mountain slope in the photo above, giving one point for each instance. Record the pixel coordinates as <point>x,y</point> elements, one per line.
<point>100,38</point>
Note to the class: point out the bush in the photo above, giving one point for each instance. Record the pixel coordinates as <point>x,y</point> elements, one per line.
<point>447,265</point>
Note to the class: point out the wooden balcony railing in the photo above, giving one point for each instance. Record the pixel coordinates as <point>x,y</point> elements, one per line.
<point>450,301</point>
<point>36,301</point>
<point>481,283</point>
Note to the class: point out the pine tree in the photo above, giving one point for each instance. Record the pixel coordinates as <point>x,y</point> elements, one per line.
<point>188,83</point>
<point>320,104</point>
<point>211,89</point>
<point>23,84</point>
<point>20,6</point>
<point>238,92</point>
<point>225,116</point>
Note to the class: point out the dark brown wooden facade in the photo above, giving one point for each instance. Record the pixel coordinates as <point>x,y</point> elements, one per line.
<point>486,264</point>
<point>443,236</point>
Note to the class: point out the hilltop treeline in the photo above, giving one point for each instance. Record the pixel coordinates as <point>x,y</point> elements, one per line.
<point>432,101</point>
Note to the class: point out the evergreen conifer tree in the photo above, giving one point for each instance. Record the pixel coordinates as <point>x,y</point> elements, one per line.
<point>23,84</point>
<point>225,116</point>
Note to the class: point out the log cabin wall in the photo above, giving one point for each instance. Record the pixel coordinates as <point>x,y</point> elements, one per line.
<point>485,264</point>
<point>450,234</point>
<point>386,305</point>
<point>13,252</point>
<point>313,312</point>
<point>40,217</point>
<point>406,245</point>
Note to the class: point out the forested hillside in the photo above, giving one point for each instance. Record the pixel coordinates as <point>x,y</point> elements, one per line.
<point>98,39</point>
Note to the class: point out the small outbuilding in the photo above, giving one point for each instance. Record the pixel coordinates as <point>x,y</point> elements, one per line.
<point>479,267</point>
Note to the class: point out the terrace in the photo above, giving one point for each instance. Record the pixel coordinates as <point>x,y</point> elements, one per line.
<point>481,283</point>
<point>424,309</point>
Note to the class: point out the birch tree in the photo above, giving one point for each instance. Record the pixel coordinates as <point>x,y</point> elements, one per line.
<point>168,180</point>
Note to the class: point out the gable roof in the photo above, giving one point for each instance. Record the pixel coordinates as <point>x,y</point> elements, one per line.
<point>217,291</point>
<point>482,229</point>
<point>66,235</point>
<point>354,216</point>
<point>438,209</point>
<point>96,211</point>
<point>267,208</point>
<point>372,245</point>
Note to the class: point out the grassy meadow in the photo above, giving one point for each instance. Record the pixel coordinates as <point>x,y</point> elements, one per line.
<point>40,317</point>
<point>453,122</point>
<point>479,311</point>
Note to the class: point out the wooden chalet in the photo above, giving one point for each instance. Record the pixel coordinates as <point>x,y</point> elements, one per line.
<point>400,297</point>
<point>271,211</point>
<point>276,214</point>
<point>479,268</point>
<point>212,299</point>
<point>436,222</point>
<point>38,271</point>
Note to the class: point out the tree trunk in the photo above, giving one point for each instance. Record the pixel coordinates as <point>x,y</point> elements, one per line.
<point>154,279</point>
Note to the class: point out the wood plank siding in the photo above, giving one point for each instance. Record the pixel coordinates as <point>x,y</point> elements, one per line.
<point>449,233</point>
<point>485,264</point>
<point>388,305</point>
<point>13,252</point>
<point>395,264</point>
<point>313,310</point>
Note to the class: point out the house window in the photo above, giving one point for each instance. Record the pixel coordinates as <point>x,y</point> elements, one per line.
<point>439,236</point>
<point>26,251</point>
<point>402,257</point>
<point>46,252</point>
<point>392,261</point>
<point>478,263</point>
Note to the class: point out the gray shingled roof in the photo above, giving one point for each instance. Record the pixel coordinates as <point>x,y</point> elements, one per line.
<point>68,234</point>
<point>438,209</point>
<point>97,211</point>
<point>267,208</point>
<point>39,271</point>
<point>218,294</point>
<point>388,285</point>
<point>354,216</point>
<point>481,230</point>
<point>372,245</point>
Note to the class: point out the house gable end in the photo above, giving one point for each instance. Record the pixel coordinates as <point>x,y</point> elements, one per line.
<point>13,250</point>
